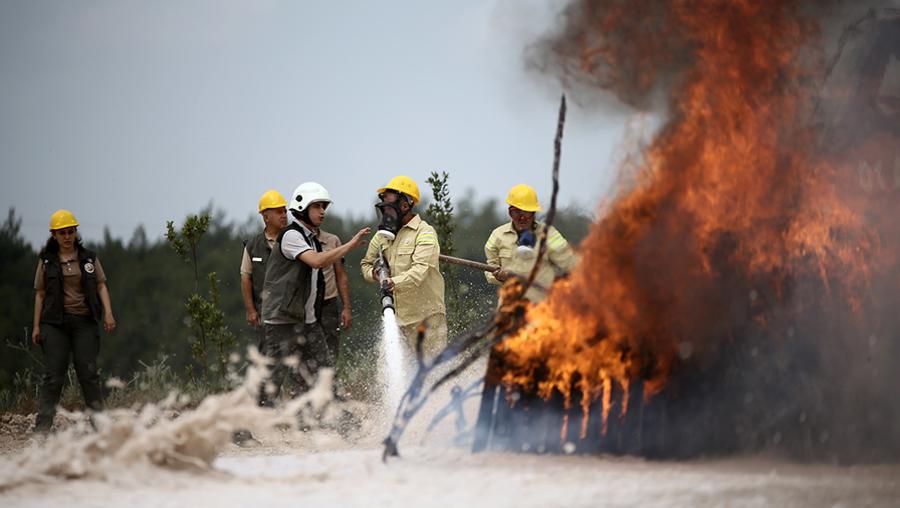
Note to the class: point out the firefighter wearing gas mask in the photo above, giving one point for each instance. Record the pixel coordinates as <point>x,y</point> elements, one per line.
<point>513,247</point>
<point>410,247</point>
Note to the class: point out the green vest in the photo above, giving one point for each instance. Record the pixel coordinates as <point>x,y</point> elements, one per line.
<point>288,284</point>
<point>258,249</point>
<point>53,311</point>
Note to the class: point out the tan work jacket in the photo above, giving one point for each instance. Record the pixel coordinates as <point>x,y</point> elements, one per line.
<point>501,250</point>
<point>330,242</point>
<point>413,257</point>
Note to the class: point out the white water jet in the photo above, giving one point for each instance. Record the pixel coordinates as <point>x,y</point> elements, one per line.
<point>392,370</point>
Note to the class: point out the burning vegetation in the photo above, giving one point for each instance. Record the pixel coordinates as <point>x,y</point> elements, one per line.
<point>741,293</point>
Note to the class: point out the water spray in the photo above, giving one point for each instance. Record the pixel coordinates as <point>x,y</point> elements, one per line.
<point>392,370</point>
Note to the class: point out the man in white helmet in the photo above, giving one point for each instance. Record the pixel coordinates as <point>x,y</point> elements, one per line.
<point>294,289</point>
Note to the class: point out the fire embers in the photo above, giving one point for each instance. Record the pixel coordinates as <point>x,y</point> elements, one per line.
<point>740,277</point>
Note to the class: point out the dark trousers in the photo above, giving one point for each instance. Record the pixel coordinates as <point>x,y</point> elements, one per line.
<point>331,325</point>
<point>297,352</point>
<point>77,338</point>
<point>256,336</point>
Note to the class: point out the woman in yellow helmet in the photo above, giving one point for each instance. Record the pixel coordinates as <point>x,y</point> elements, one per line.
<point>71,301</point>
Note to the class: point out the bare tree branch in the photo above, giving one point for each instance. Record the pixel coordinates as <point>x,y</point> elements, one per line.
<point>506,320</point>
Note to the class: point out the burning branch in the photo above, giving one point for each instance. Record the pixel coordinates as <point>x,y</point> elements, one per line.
<point>508,319</point>
<point>551,215</point>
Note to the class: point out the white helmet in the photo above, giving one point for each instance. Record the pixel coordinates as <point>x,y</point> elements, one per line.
<point>306,194</point>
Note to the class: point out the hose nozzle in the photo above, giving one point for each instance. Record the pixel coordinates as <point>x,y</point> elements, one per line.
<point>387,299</point>
<point>383,273</point>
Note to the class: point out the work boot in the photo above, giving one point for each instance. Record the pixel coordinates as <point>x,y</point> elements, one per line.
<point>243,438</point>
<point>92,422</point>
<point>348,425</point>
<point>42,426</point>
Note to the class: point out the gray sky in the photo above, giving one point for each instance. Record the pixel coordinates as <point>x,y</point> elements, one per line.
<point>130,112</point>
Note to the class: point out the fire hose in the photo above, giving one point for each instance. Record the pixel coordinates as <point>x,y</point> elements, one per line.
<point>383,274</point>
<point>484,267</point>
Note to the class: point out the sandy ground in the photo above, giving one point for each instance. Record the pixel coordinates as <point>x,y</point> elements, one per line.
<point>288,468</point>
<point>454,477</point>
<point>146,461</point>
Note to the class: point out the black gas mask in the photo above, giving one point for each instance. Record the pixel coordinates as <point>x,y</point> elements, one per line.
<point>391,213</point>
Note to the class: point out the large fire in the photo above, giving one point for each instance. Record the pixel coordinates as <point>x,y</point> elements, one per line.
<point>736,201</point>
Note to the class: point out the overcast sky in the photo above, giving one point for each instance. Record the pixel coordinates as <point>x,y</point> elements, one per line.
<point>134,112</point>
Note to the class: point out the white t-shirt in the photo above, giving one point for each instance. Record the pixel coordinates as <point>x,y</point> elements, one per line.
<point>292,245</point>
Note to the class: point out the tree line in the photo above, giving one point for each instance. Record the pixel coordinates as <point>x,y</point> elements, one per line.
<point>150,284</point>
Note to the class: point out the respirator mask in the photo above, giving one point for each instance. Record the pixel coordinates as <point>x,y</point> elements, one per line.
<point>391,216</point>
<point>525,244</point>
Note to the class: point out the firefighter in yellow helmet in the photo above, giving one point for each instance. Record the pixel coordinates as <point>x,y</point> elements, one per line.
<point>410,247</point>
<point>71,302</point>
<point>273,209</point>
<point>513,247</point>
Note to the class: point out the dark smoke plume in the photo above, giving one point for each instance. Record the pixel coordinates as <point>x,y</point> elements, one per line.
<point>750,278</point>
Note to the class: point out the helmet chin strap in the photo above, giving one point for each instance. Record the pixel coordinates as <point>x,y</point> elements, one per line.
<point>301,216</point>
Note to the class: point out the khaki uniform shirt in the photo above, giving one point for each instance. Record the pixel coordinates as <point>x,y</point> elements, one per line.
<point>413,256</point>
<point>74,301</point>
<point>501,250</point>
<point>329,242</point>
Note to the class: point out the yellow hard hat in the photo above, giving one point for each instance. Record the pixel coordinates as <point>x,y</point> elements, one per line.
<point>403,184</point>
<point>524,198</point>
<point>271,199</point>
<point>62,219</point>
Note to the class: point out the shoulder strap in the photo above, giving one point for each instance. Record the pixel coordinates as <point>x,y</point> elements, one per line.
<point>293,226</point>
<point>87,254</point>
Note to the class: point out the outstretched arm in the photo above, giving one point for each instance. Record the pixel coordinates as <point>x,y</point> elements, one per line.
<point>322,259</point>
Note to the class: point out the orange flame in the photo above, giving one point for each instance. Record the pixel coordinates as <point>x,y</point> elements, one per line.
<point>733,192</point>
